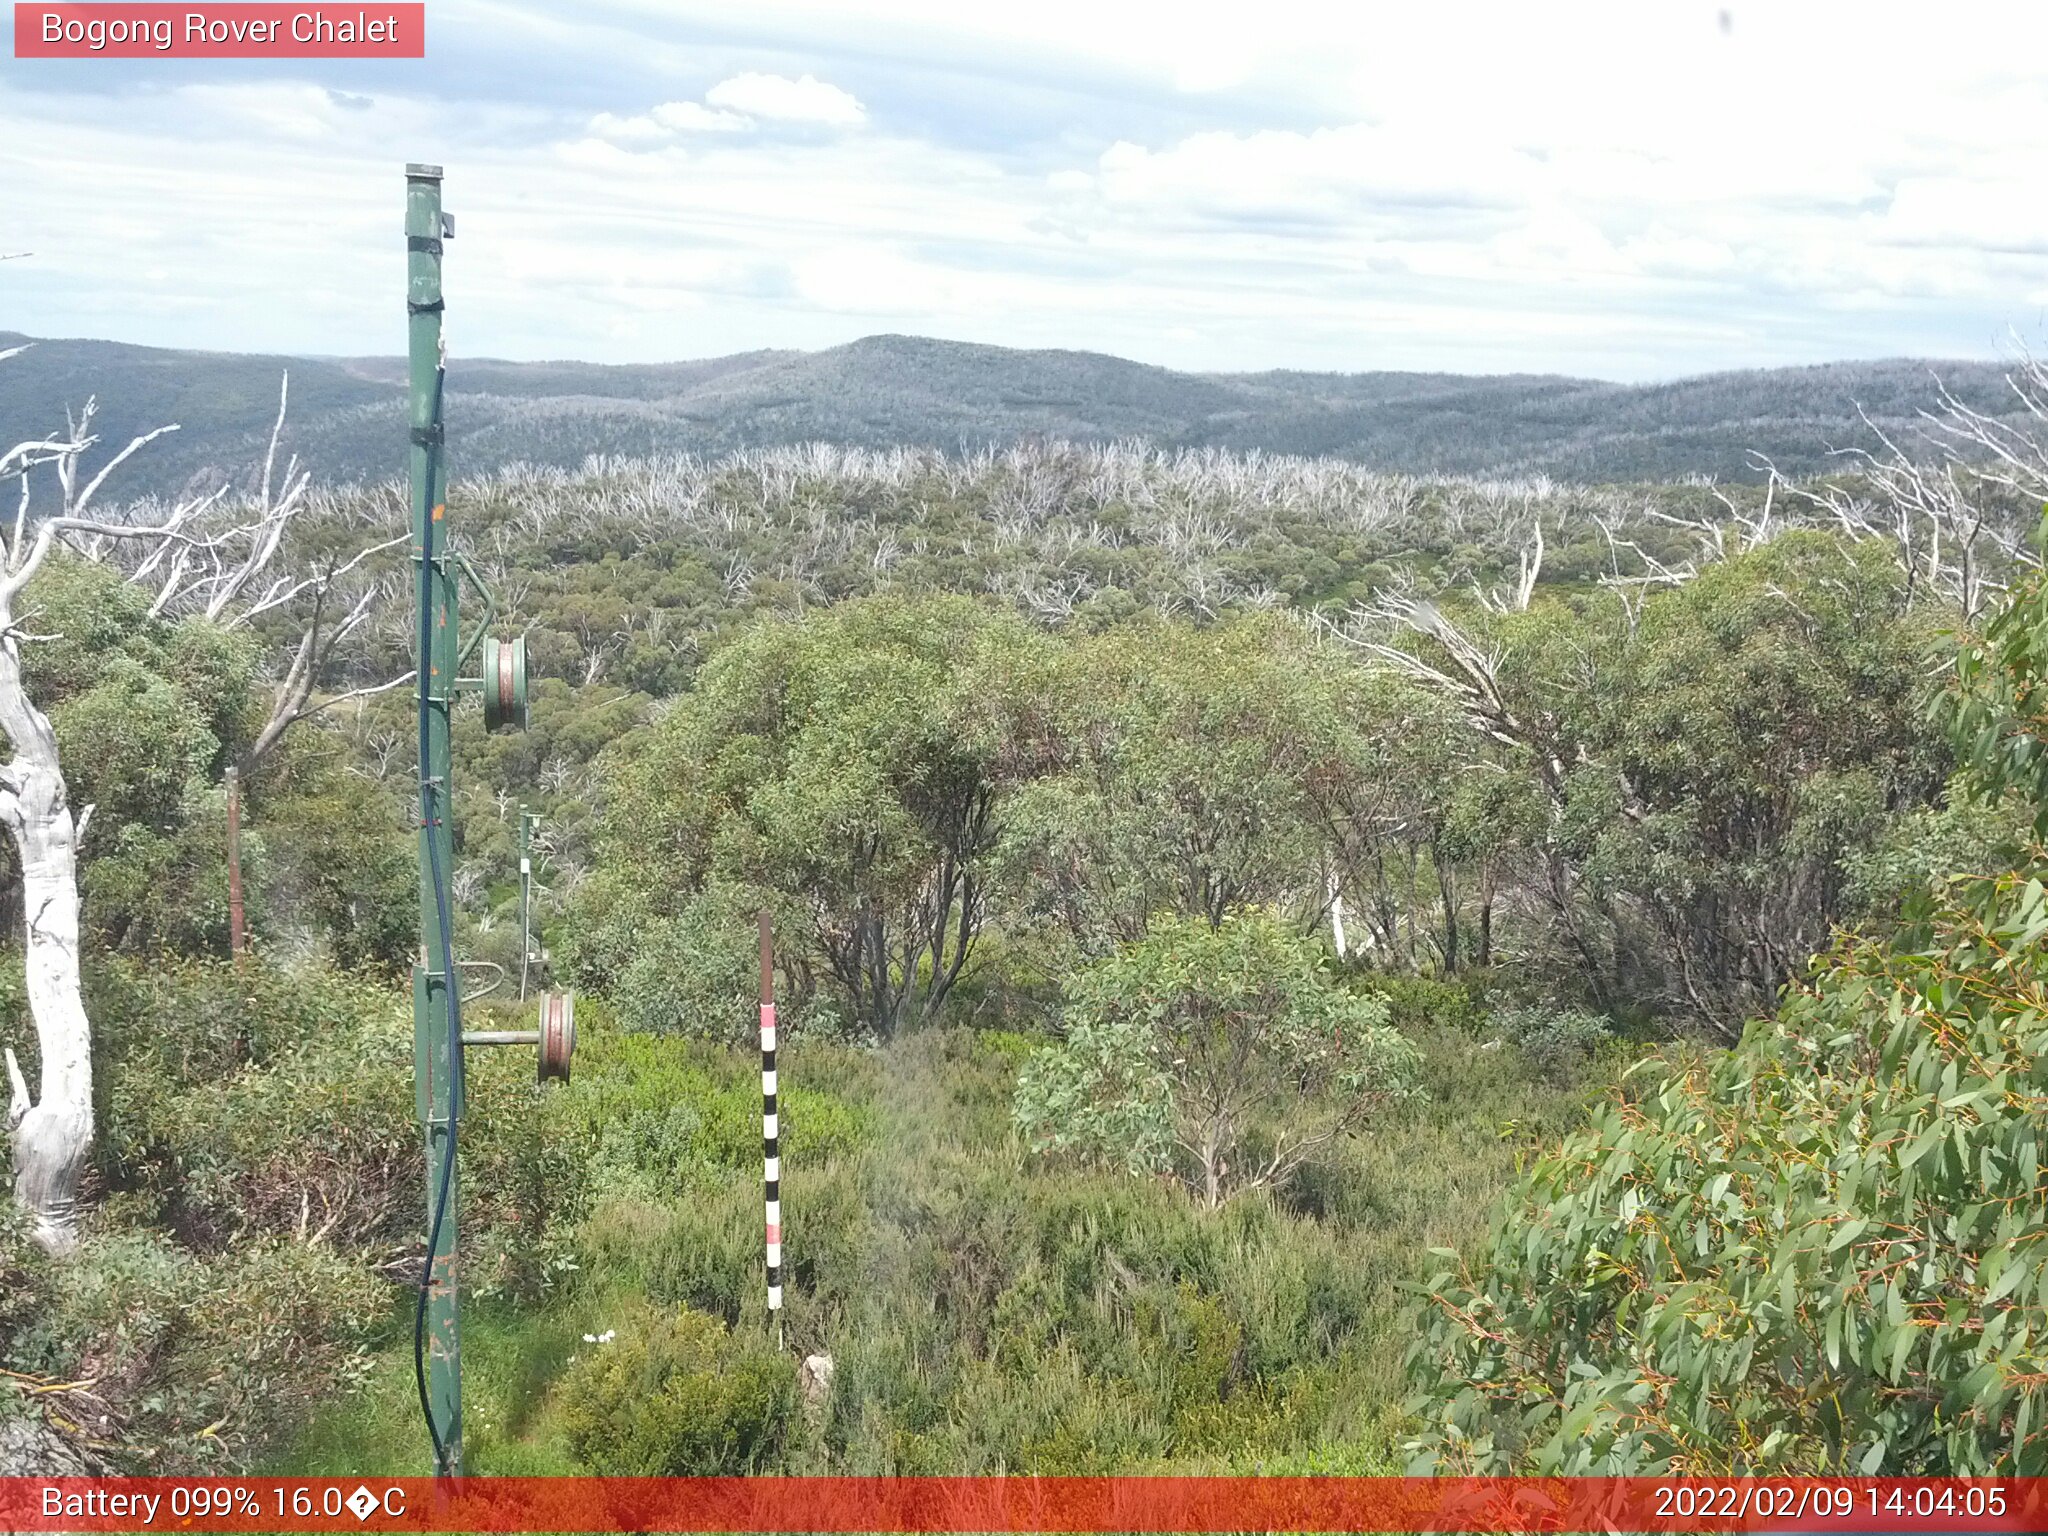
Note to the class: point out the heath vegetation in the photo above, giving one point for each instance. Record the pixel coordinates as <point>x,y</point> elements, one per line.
<point>1285,967</point>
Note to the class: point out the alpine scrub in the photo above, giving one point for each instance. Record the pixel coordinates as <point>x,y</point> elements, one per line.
<point>1822,1251</point>
<point>1222,1053</point>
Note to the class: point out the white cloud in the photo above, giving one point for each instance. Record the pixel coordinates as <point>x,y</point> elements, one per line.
<point>1996,214</point>
<point>1558,244</point>
<point>661,125</point>
<point>872,281</point>
<point>695,117</point>
<point>735,105</point>
<point>1330,172</point>
<point>628,130</point>
<point>780,99</point>
<point>1623,190</point>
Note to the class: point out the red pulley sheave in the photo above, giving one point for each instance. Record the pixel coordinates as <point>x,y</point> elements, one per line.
<point>557,1034</point>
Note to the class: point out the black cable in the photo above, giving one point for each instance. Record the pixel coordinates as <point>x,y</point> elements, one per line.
<point>429,822</point>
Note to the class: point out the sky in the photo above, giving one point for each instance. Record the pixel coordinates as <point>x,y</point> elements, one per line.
<point>1633,191</point>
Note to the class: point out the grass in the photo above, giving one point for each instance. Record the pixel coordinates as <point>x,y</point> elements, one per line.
<point>509,1356</point>
<point>986,1312</point>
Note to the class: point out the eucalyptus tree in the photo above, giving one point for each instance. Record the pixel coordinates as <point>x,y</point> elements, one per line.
<point>1820,1252</point>
<point>1702,756</point>
<point>1180,770</point>
<point>841,768</point>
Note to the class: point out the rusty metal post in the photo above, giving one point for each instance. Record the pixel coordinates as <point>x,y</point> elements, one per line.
<point>235,930</point>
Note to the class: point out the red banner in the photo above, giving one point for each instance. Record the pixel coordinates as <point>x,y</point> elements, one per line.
<point>372,30</point>
<point>1847,1506</point>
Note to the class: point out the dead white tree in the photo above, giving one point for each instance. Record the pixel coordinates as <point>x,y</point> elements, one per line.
<point>1466,663</point>
<point>1500,600</point>
<point>53,1128</point>
<point>198,561</point>
<point>1631,586</point>
<point>1959,513</point>
<point>1466,668</point>
<point>1333,897</point>
<point>248,579</point>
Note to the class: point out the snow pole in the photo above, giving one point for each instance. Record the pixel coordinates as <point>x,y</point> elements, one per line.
<point>527,821</point>
<point>771,1140</point>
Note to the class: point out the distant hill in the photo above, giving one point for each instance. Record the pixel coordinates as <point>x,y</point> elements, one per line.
<point>347,413</point>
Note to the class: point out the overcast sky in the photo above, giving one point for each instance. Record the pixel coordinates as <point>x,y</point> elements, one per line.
<point>1632,191</point>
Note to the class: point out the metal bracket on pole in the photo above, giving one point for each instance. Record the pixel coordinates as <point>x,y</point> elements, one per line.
<point>556,1036</point>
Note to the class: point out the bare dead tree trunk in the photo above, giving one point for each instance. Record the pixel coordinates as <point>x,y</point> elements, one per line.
<point>53,1131</point>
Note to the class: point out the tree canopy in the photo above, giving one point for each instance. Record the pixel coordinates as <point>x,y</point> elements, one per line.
<point>1819,1252</point>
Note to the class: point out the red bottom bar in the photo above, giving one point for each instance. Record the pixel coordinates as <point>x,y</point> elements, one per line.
<point>1845,1506</point>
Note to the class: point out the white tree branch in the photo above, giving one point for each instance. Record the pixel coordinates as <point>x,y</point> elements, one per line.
<point>77,508</point>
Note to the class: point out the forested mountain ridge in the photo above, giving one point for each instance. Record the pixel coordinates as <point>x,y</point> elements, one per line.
<point>889,391</point>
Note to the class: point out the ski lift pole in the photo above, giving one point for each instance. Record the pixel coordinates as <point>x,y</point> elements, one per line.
<point>438,1037</point>
<point>437,1050</point>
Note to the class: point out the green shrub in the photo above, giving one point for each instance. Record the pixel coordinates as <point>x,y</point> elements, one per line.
<point>342,867</point>
<point>1823,1251</point>
<point>1223,1053</point>
<point>26,1278</point>
<point>660,1112</point>
<point>1417,1004</point>
<point>693,974</point>
<point>1060,1420</point>
<point>673,1394</point>
<point>707,1253</point>
<point>320,1139</point>
<point>283,1322</point>
<point>200,1020</point>
<point>197,1363</point>
<point>239,1100</point>
<point>1556,1041</point>
<point>525,1180</point>
<point>1200,1345</point>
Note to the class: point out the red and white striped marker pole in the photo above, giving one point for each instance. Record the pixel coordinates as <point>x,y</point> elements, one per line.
<point>771,1140</point>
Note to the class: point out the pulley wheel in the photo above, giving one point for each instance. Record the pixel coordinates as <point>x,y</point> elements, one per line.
<point>504,690</point>
<point>557,1034</point>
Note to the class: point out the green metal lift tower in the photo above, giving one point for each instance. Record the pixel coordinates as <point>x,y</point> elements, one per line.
<point>438,1038</point>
